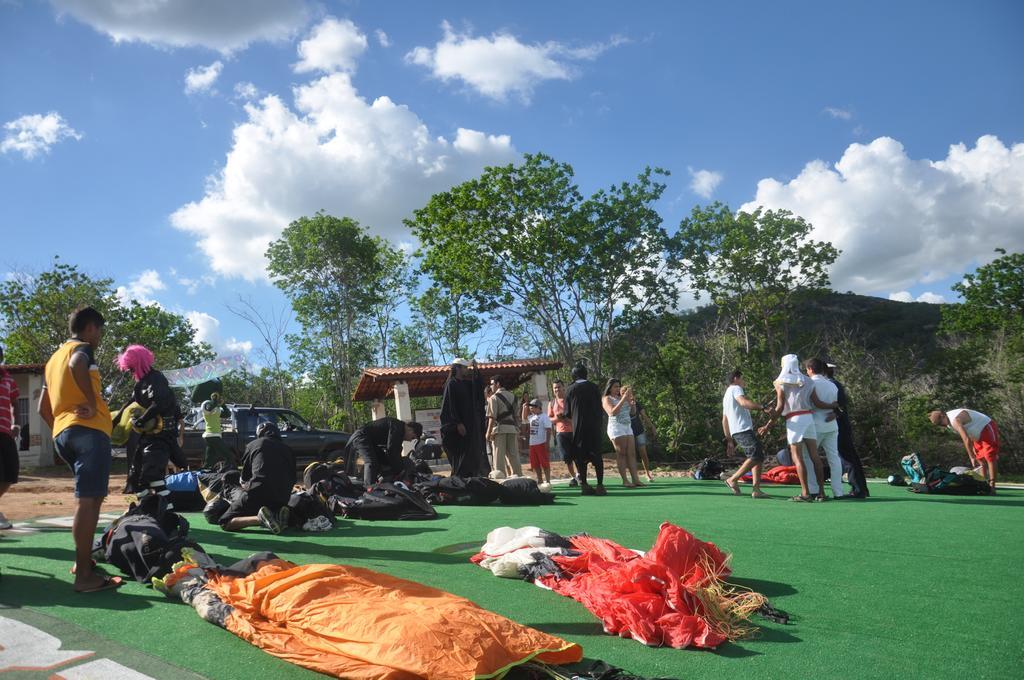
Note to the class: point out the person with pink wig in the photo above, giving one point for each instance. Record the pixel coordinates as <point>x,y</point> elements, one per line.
<point>157,422</point>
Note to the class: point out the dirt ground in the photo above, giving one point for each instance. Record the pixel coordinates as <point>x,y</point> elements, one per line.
<point>50,492</point>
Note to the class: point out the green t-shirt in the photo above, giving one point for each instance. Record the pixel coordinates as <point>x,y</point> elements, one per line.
<point>211,416</point>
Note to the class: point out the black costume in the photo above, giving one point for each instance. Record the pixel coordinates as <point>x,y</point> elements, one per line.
<point>268,475</point>
<point>847,451</point>
<point>462,403</point>
<point>155,449</point>
<point>379,444</point>
<point>583,406</point>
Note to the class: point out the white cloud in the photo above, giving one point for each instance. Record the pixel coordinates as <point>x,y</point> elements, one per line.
<point>222,26</point>
<point>34,134</point>
<point>373,161</point>
<point>142,288</point>
<point>202,78</point>
<point>704,182</point>
<point>208,330</point>
<point>501,65</point>
<point>929,297</point>
<point>841,114</point>
<point>901,221</point>
<point>332,45</point>
<point>246,90</point>
<point>382,38</point>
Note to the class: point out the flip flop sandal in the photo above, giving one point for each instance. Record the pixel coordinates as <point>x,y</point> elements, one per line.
<point>759,494</point>
<point>802,499</point>
<point>735,487</point>
<point>108,583</point>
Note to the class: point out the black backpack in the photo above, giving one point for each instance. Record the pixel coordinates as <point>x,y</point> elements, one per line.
<point>709,468</point>
<point>523,491</point>
<point>460,491</point>
<point>384,501</point>
<point>146,546</point>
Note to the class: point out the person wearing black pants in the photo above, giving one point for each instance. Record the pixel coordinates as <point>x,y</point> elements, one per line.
<point>847,450</point>
<point>584,408</point>
<point>379,444</point>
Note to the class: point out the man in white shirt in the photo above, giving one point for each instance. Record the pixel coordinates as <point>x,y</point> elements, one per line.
<point>980,435</point>
<point>739,434</point>
<point>826,393</point>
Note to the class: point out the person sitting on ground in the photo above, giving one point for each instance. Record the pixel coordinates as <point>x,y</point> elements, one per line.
<point>379,444</point>
<point>540,433</point>
<point>793,399</point>
<point>739,433</point>
<point>979,434</point>
<point>618,404</point>
<point>268,477</point>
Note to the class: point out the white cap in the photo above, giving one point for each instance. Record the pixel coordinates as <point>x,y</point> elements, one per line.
<point>831,365</point>
<point>459,361</point>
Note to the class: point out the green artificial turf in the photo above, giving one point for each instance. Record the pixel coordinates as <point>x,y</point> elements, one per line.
<point>900,585</point>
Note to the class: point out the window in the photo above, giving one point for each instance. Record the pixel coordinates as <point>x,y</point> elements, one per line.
<point>22,419</point>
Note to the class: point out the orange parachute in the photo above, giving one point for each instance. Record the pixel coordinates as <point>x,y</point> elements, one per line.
<point>356,623</point>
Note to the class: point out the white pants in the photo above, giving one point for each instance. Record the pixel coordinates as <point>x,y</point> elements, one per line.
<point>829,443</point>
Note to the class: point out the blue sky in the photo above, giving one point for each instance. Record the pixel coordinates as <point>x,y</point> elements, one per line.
<point>844,114</point>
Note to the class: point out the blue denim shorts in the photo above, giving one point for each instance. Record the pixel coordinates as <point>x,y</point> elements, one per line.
<point>641,439</point>
<point>87,452</point>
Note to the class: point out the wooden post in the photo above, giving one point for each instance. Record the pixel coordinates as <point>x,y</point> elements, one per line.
<point>403,409</point>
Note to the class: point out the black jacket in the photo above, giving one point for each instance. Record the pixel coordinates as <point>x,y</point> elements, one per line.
<point>268,470</point>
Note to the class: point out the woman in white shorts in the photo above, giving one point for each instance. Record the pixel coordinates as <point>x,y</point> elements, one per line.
<point>618,404</point>
<point>793,398</point>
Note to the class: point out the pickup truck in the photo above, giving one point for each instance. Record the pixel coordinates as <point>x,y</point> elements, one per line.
<point>239,423</point>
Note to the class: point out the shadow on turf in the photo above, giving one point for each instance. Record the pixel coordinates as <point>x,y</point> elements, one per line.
<point>736,650</point>
<point>769,589</point>
<point>286,544</point>
<point>30,588</point>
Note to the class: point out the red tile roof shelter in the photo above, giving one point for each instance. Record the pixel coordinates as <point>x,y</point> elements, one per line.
<point>428,381</point>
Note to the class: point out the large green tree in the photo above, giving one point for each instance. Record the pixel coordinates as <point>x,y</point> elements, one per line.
<point>34,311</point>
<point>752,266</point>
<point>521,242</point>
<point>336,276</point>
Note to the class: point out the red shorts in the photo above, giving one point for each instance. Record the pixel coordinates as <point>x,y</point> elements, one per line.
<point>539,456</point>
<point>987,446</point>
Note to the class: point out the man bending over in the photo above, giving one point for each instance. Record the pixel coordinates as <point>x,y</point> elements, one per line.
<point>379,444</point>
<point>980,436</point>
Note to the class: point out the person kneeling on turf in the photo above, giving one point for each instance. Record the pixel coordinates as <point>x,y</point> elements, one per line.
<point>268,476</point>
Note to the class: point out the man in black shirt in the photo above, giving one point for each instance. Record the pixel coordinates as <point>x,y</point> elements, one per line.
<point>847,451</point>
<point>379,444</point>
<point>583,406</point>
<point>268,477</point>
<point>462,421</point>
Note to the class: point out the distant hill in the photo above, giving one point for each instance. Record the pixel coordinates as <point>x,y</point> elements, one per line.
<point>880,323</point>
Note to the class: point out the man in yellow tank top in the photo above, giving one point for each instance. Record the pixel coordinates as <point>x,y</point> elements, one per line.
<point>72,405</point>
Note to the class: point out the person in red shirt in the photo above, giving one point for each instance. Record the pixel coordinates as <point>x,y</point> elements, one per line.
<point>9,461</point>
<point>563,429</point>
